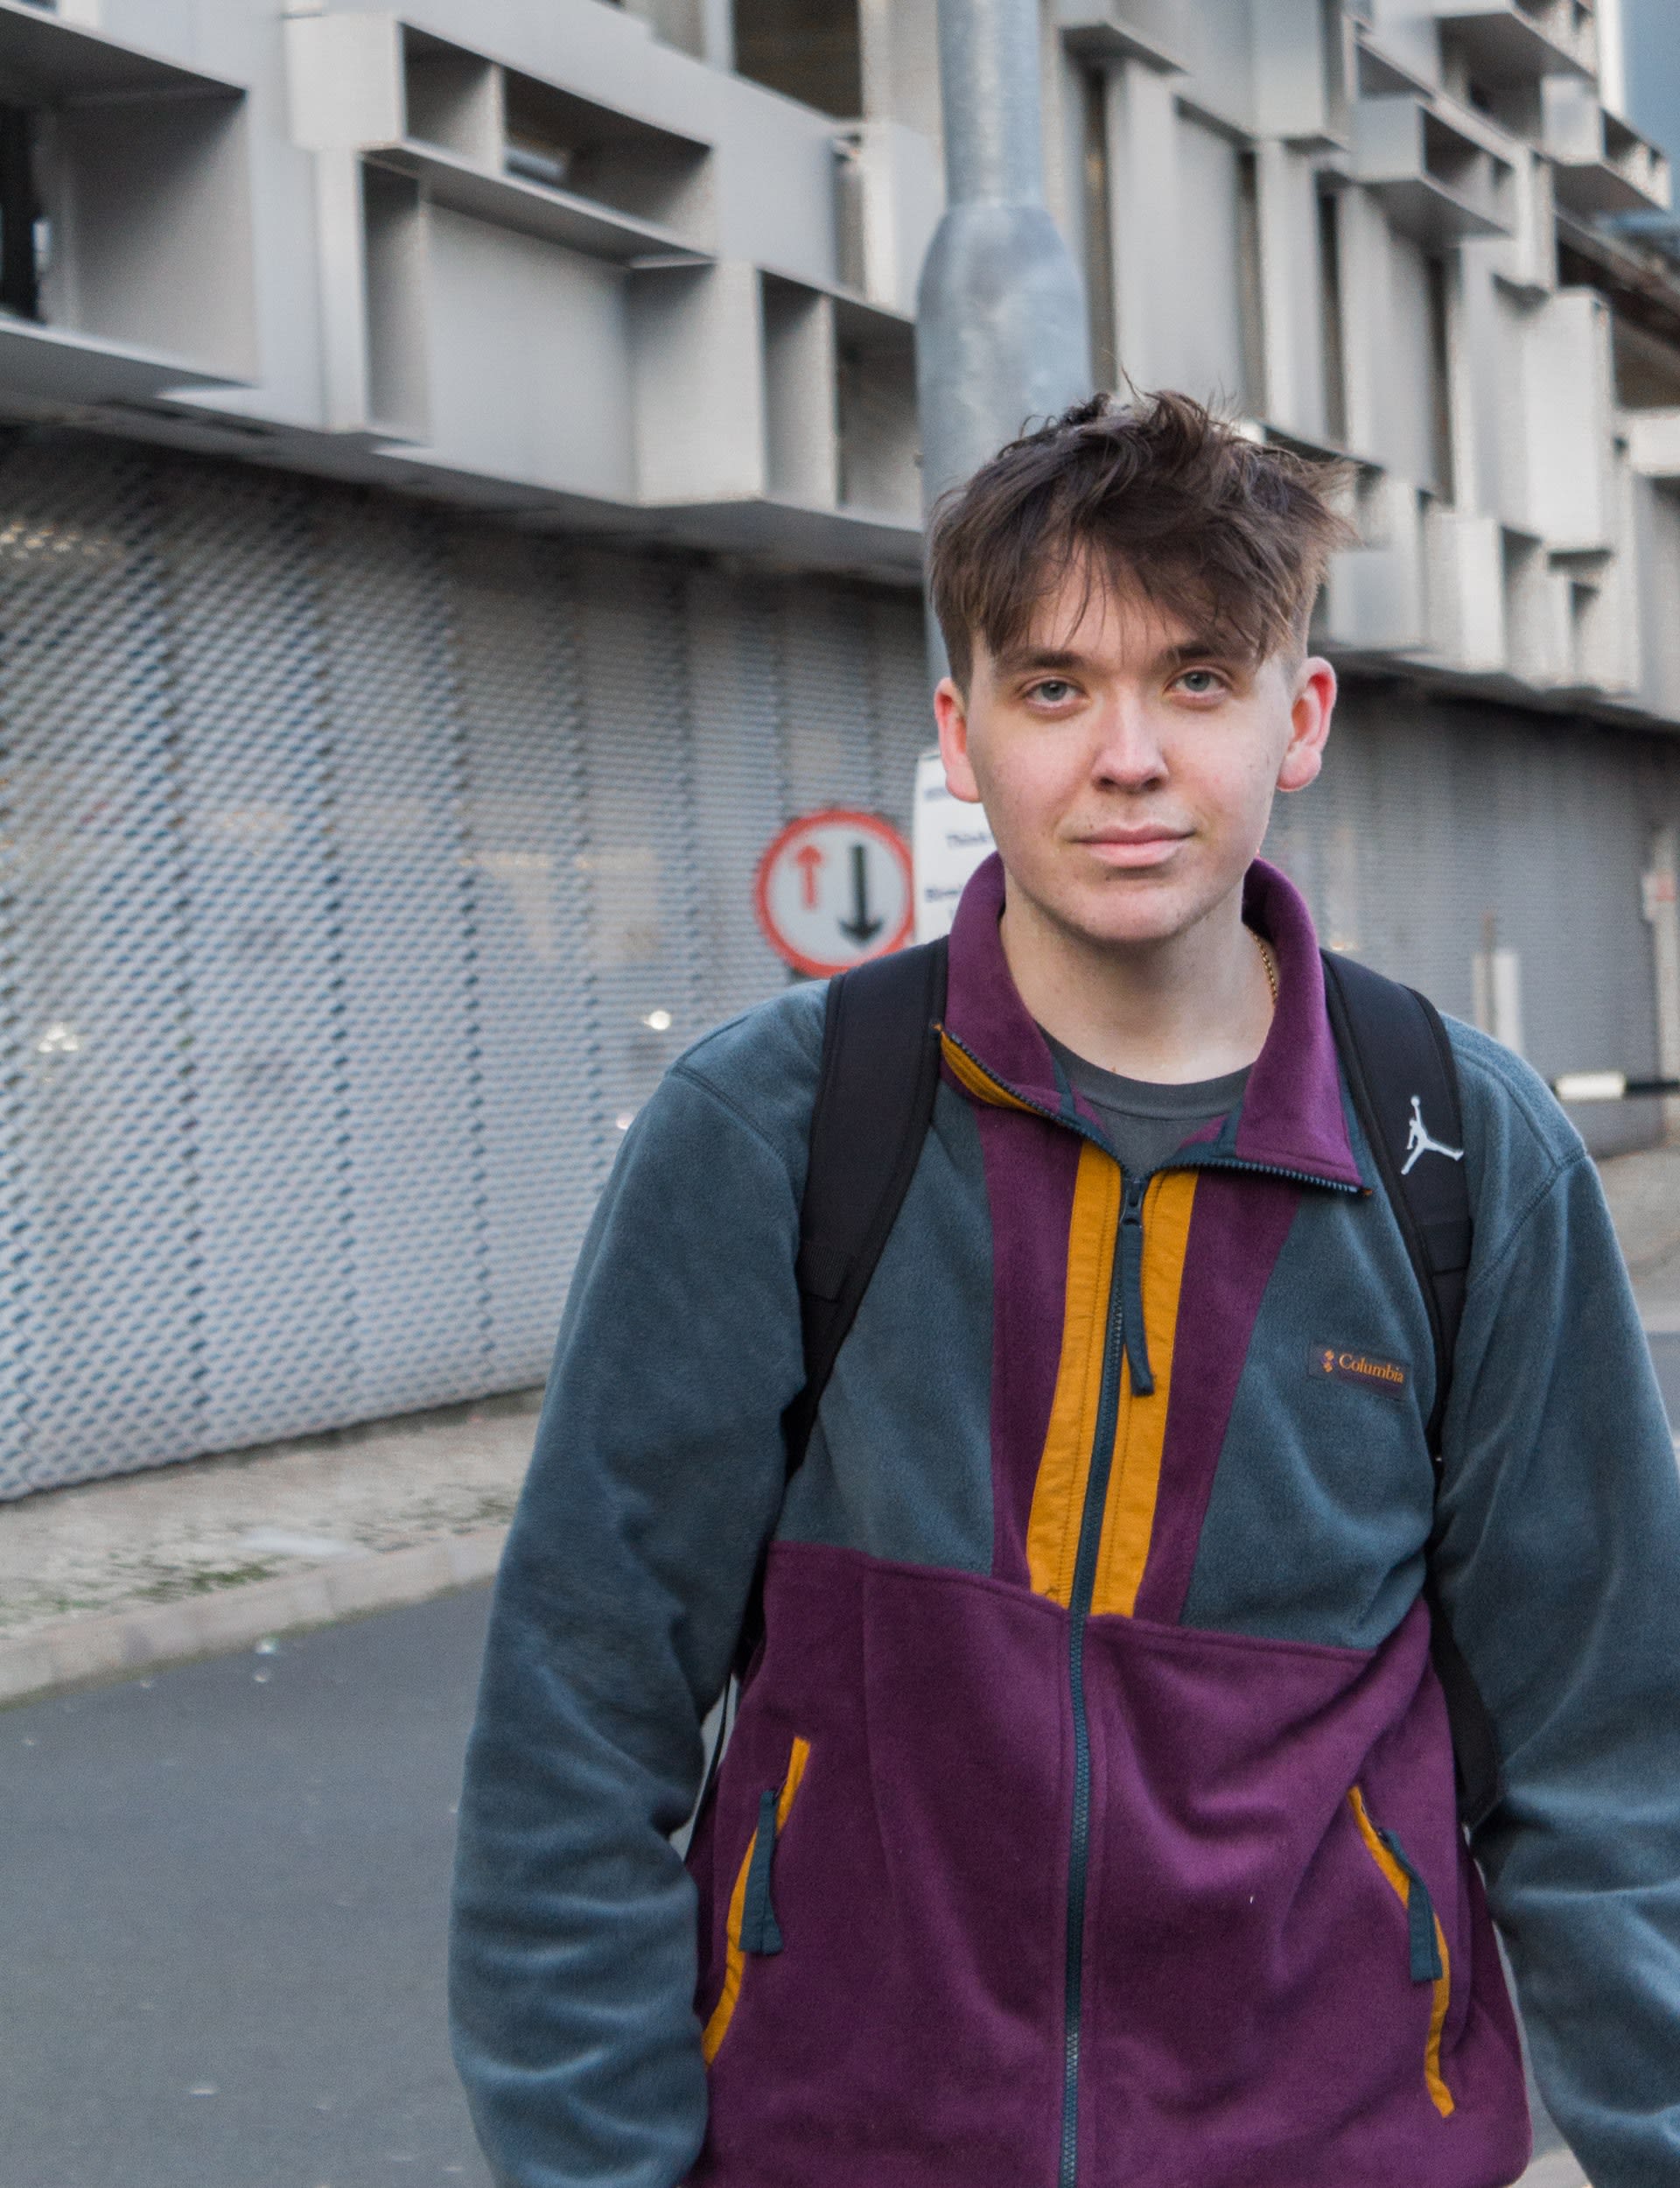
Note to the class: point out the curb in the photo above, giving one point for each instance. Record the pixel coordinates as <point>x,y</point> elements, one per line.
<point>118,1644</point>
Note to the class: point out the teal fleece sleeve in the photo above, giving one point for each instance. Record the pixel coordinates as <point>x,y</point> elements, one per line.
<point>1560,1570</point>
<point>656,1478</point>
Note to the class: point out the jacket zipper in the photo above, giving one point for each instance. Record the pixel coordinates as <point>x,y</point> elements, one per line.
<point>1196,1160</point>
<point>1128,1250</point>
<point>1120,1340</point>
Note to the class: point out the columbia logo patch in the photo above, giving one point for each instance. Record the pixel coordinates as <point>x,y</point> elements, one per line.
<point>1344,1365</point>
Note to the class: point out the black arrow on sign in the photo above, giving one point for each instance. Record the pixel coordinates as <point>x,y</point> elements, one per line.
<point>860,926</point>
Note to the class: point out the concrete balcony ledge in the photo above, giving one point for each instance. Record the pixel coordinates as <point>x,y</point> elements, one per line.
<point>1519,41</point>
<point>1601,166</point>
<point>58,366</point>
<point>1381,73</point>
<point>1438,175</point>
<point>1105,31</point>
<point>44,57</point>
<point>530,208</point>
<point>853,304</point>
<point>844,538</point>
<point>844,541</point>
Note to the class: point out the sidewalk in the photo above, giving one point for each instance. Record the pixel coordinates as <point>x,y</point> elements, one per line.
<point>111,1577</point>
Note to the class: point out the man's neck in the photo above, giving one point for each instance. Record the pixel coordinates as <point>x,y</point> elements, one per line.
<point>1193,1006</point>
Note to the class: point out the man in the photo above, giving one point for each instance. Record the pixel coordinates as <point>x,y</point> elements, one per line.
<point>1089,1814</point>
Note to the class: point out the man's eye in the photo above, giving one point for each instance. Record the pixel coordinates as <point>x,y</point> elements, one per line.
<point>1053,690</point>
<point>1200,682</point>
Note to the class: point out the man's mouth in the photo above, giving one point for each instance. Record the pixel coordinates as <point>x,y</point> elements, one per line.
<point>1148,844</point>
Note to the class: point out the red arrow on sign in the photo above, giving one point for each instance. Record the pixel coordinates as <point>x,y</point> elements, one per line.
<point>809,862</point>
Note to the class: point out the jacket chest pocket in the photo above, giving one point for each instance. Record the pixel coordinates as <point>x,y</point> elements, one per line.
<point>1427,1957</point>
<point>753,1931</point>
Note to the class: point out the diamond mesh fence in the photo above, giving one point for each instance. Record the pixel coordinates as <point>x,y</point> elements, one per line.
<point>363,870</point>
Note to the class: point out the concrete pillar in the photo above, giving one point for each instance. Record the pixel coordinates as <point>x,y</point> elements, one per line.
<point>1144,222</point>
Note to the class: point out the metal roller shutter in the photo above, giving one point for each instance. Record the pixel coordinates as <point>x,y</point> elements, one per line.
<point>365,870</point>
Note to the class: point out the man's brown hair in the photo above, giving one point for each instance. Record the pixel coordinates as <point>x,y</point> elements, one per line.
<point>1158,497</point>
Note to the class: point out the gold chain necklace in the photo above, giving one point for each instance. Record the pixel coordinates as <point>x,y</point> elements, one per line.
<point>1261,944</point>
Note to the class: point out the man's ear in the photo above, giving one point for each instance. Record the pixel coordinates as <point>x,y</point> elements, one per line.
<point>951,711</point>
<point>1314,702</point>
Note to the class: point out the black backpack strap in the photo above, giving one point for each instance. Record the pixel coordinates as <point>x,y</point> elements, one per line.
<point>874,1103</point>
<point>1404,1084</point>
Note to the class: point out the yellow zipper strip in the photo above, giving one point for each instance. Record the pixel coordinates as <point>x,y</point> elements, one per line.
<point>735,1959</point>
<point>1140,1430</point>
<point>978,1082</point>
<point>1439,2094</point>
<point>1065,1463</point>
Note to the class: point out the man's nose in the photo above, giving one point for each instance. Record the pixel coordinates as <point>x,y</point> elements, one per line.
<point>1128,753</point>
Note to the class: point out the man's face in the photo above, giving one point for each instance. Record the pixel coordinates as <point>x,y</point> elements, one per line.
<point>1127,764</point>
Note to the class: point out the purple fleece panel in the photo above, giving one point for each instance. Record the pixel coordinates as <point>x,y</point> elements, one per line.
<point>909,2032</point>
<point>1292,1113</point>
<point>1262,2015</point>
<point>1030,1169</point>
<point>1238,1224</point>
<point>1249,2019</point>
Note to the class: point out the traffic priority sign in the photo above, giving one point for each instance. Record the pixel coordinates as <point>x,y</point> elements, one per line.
<point>834,888</point>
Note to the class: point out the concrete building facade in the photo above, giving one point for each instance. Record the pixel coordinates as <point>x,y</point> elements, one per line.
<point>458,496</point>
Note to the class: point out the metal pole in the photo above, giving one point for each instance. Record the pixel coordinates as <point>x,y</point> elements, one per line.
<point>1001,330</point>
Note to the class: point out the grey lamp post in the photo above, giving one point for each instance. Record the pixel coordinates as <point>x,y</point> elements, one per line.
<point>1001,328</point>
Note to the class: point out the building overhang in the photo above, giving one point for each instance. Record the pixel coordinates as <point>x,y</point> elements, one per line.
<point>60,64</point>
<point>56,365</point>
<point>1506,41</point>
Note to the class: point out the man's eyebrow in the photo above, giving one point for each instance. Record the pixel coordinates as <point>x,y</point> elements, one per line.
<point>1203,647</point>
<point>1199,647</point>
<point>1015,659</point>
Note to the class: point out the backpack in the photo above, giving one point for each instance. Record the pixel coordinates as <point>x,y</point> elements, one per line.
<point>875,1101</point>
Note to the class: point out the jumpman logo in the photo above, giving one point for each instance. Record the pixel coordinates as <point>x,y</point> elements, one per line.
<point>1418,1141</point>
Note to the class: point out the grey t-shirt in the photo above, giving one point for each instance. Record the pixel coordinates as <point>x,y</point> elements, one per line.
<point>1147,1122</point>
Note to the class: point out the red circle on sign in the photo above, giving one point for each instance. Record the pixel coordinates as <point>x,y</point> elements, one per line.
<point>832,817</point>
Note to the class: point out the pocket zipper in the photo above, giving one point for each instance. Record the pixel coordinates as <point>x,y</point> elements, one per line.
<point>1428,1957</point>
<point>752,1926</point>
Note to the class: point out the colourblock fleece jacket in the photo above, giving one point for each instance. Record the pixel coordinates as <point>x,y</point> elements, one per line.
<point>1088,1819</point>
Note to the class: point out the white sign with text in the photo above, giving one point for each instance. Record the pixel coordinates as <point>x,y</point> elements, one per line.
<point>948,840</point>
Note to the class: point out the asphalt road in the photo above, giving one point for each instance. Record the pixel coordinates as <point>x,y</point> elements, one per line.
<point>221,1914</point>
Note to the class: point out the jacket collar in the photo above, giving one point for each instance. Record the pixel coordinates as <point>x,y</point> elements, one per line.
<point>1292,1117</point>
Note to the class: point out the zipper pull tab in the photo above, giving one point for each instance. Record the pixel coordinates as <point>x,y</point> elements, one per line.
<point>1132,1278</point>
<point>1422,1943</point>
<point>761,1931</point>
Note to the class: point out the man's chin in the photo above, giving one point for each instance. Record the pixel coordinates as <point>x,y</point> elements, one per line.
<point>1134,911</point>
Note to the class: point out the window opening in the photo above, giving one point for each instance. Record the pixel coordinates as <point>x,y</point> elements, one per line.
<point>1335,367</point>
<point>1250,296</point>
<point>808,50</point>
<point>1440,378</point>
<point>20,214</point>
